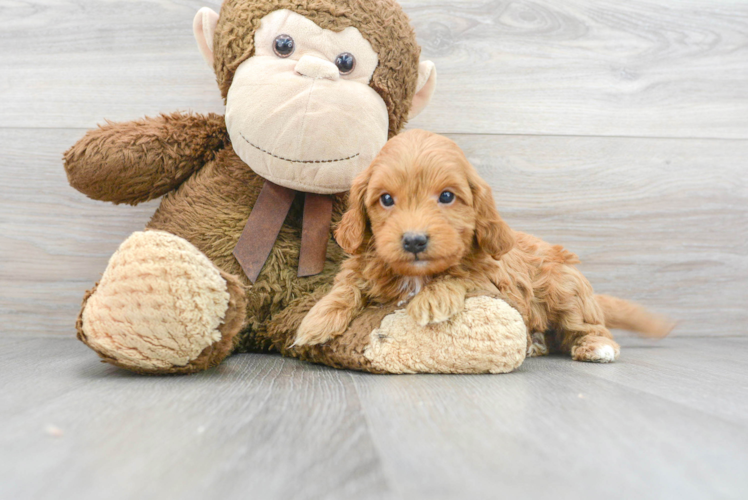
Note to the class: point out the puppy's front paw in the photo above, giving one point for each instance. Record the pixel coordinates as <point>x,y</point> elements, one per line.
<point>320,325</point>
<point>427,308</point>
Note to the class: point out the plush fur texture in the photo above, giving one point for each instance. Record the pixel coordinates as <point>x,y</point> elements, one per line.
<point>143,159</point>
<point>381,22</point>
<point>469,248</point>
<point>295,120</point>
<point>139,303</point>
<point>488,336</point>
<point>208,192</point>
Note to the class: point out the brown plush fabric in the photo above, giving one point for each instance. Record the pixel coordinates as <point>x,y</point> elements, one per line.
<point>381,22</point>
<point>141,160</point>
<point>209,191</point>
<point>500,350</point>
<point>345,351</point>
<point>211,355</point>
<point>210,210</point>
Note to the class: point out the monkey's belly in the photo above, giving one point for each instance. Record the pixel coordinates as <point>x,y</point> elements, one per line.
<point>210,211</point>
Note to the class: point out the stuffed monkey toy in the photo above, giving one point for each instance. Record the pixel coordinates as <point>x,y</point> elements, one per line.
<point>240,247</point>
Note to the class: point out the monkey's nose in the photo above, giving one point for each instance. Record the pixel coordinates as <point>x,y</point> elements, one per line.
<point>317,68</point>
<point>415,242</point>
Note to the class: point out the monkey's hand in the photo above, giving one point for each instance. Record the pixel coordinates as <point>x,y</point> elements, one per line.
<point>437,302</point>
<point>137,161</point>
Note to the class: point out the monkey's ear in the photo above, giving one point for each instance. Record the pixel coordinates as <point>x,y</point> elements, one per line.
<point>204,27</point>
<point>424,88</point>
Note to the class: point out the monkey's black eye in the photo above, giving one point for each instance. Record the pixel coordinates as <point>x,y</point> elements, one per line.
<point>283,46</point>
<point>345,63</point>
<point>447,197</point>
<point>386,200</point>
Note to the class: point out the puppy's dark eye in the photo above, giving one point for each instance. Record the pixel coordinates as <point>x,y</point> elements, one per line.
<point>345,63</point>
<point>283,46</point>
<point>447,197</point>
<point>386,200</point>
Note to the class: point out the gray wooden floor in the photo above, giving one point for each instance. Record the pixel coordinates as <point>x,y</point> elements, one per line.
<point>670,421</point>
<point>618,129</point>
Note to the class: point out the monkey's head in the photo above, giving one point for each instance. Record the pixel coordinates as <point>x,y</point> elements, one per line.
<point>314,88</point>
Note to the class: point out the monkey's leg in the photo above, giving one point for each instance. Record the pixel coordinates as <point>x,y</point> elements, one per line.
<point>162,307</point>
<point>487,336</point>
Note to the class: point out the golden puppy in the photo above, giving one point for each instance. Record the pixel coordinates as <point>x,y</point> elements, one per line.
<point>422,228</point>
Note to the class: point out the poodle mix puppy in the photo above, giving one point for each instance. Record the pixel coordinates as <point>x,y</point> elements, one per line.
<point>423,229</point>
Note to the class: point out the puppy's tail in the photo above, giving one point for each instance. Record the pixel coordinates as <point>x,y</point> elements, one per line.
<point>627,315</point>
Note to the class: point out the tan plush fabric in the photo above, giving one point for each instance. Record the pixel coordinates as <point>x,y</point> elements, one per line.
<point>209,192</point>
<point>159,304</point>
<point>489,336</point>
<point>425,88</point>
<point>382,23</point>
<point>296,120</point>
<point>204,27</point>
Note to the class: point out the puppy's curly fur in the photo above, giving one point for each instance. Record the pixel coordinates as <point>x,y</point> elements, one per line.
<point>468,248</point>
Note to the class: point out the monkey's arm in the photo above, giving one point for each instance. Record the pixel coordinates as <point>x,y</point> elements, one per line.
<point>137,161</point>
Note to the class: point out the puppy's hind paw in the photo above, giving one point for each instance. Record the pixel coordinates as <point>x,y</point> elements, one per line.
<point>595,350</point>
<point>538,346</point>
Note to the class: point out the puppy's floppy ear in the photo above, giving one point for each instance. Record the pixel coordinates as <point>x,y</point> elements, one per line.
<point>493,235</point>
<point>351,232</point>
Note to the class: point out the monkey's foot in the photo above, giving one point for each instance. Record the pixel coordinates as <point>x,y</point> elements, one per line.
<point>487,336</point>
<point>162,307</point>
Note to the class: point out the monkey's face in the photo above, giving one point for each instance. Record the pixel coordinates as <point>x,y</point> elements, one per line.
<point>300,112</point>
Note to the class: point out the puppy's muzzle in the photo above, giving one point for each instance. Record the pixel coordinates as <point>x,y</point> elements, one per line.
<point>415,243</point>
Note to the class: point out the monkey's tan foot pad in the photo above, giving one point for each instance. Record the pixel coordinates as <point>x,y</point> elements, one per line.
<point>595,350</point>
<point>162,307</point>
<point>488,336</point>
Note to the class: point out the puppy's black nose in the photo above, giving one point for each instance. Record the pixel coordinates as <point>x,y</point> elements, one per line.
<point>415,242</point>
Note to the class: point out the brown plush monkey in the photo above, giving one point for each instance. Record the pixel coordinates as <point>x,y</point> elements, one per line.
<point>313,89</point>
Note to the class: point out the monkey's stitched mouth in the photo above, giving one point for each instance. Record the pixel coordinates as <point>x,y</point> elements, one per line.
<point>296,161</point>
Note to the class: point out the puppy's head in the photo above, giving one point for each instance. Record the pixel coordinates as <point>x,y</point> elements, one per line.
<point>422,208</point>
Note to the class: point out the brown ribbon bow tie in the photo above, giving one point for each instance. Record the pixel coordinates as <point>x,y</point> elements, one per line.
<point>264,225</point>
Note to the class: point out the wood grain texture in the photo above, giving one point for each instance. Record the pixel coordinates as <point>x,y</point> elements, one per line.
<point>263,427</point>
<point>665,68</point>
<point>269,427</point>
<point>661,221</point>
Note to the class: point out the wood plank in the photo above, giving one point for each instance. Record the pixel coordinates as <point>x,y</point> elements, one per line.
<point>715,370</point>
<point>663,222</point>
<point>666,68</point>
<point>272,427</point>
<point>262,426</point>
<point>531,435</point>
<point>660,221</point>
<point>54,242</point>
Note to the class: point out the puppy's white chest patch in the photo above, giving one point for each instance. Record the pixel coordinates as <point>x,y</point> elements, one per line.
<point>410,286</point>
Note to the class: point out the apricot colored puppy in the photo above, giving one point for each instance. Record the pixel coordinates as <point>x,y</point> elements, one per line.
<point>423,229</point>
